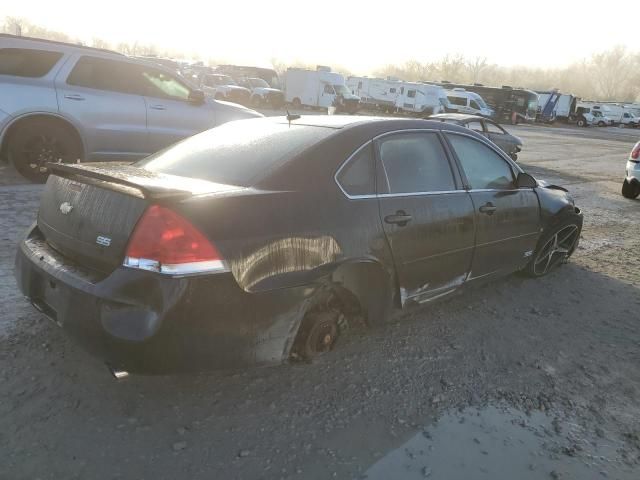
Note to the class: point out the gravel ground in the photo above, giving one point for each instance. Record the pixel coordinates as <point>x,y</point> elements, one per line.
<point>521,378</point>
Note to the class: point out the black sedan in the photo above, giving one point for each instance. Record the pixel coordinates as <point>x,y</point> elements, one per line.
<point>255,242</point>
<point>490,129</point>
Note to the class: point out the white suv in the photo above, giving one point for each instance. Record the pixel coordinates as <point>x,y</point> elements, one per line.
<point>63,102</point>
<point>631,184</point>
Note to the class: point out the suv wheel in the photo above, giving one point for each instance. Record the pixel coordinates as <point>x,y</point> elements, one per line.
<point>36,143</point>
<point>630,190</point>
<point>582,123</point>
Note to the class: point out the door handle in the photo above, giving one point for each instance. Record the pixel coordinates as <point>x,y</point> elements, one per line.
<point>74,96</point>
<point>400,218</point>
<point>158,107</point>
<point>488,208</point>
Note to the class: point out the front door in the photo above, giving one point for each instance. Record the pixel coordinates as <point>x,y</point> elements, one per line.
<point>327,95</point>
<point>100,96</point>
<point>171,116</point>
<point>507,218</point>
<point>428,219</point>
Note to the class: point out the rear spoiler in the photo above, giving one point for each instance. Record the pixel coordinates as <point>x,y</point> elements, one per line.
<point>151,185</point>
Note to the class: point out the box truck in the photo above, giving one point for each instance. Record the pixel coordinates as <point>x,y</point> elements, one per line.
<point>320,88</point>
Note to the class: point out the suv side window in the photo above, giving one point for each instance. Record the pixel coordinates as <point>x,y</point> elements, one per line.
<point>484,168</point>
<point>164,85</point>
<point>357,176</point>
<point>104,74</point>
<point>473,104</point>
<point>415,162</point>
<point>25,62</point>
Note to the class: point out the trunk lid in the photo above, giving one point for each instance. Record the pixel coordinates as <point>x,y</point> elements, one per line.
<point>88,212</point>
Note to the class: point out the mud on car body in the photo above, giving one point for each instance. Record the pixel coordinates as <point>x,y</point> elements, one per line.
<point>253,242</point>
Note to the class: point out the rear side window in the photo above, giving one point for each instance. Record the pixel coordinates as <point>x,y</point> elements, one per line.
<point>484,168</point>
<point>24,62</point>
<point>357,176</point>
<point>415,162</point>
<point>105,74</point>
<point>458,101</point>
<point>236,153</point>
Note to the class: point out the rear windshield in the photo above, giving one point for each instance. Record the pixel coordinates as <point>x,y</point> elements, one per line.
<point>25,62</point>
<point>236,153</point>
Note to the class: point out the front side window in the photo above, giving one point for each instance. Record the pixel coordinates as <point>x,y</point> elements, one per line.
<point>328,89</point>
<point>357,176</point>
<point>25,62</point>
<point>105,74</point>
<point>484,168</point>
<point>474,105</point>
<point>415,162</point>
<point>411,93</point>
<point>392,90</point>
<point>164,85</point>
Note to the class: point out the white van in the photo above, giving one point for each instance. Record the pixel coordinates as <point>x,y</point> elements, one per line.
<point>376,93</point>
<point>318,88</point>
<point>421,98</point>
<point>463,101</point>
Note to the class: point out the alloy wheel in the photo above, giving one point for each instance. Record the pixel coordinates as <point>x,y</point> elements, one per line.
<point>557,249</point>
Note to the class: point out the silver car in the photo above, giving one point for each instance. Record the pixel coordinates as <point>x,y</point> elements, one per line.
<point>509,143</point>
<point>73,103</point>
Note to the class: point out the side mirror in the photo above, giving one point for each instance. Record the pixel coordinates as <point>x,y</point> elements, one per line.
<point>525,180</point>
<point>196,96</point>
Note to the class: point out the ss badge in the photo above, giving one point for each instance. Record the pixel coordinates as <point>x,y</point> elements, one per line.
<point>104,241</point>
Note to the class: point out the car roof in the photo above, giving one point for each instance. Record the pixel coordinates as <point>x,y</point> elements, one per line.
<point>66,45</point>
<point>461,117</point>
<point>346,121</point>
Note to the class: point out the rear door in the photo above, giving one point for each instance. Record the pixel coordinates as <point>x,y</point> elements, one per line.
<point>171,116</point>
<point>507,218</point>
<point>100,96</point>
<point>428,219</point>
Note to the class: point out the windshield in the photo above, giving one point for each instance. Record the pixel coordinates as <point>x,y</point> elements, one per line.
<point>258,83</point>
<point>227,154</point>
<point>341,90</point>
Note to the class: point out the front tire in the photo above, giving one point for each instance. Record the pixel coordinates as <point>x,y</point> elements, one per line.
<point>554,248</point>
<point>582,123</point>
<point>39,142</point>
<point>630,190</point>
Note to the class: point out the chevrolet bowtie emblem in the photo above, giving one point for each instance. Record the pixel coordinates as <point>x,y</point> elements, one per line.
<point>65,208</point>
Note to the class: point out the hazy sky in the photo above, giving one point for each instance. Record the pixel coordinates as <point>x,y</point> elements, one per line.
<point>358,35</point>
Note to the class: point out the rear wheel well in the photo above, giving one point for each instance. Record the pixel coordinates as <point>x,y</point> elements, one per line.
<point>25,121</point>
<point>353,295</point>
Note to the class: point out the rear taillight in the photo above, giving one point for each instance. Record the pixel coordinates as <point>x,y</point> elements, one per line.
<point>635,153</point>
<point>164,242</point>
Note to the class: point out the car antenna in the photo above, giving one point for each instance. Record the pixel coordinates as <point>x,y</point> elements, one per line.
<point>291,116</point>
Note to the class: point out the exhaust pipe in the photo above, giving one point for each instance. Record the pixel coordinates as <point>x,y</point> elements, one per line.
<point>117,373</point>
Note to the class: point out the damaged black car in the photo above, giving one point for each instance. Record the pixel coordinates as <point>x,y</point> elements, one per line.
<point>252,243</point>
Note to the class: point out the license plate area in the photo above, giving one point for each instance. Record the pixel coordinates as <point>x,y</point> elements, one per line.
<point>48,299</point>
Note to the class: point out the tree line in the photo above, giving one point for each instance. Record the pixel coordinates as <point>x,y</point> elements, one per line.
<point>610,75</point>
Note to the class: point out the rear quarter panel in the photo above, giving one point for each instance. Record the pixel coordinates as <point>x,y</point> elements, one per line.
<point>284,237</point>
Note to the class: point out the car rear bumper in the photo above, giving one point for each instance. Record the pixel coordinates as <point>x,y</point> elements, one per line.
<point>145,322</point>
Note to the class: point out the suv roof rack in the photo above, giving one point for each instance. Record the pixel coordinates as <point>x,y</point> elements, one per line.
<point>66,44</point>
